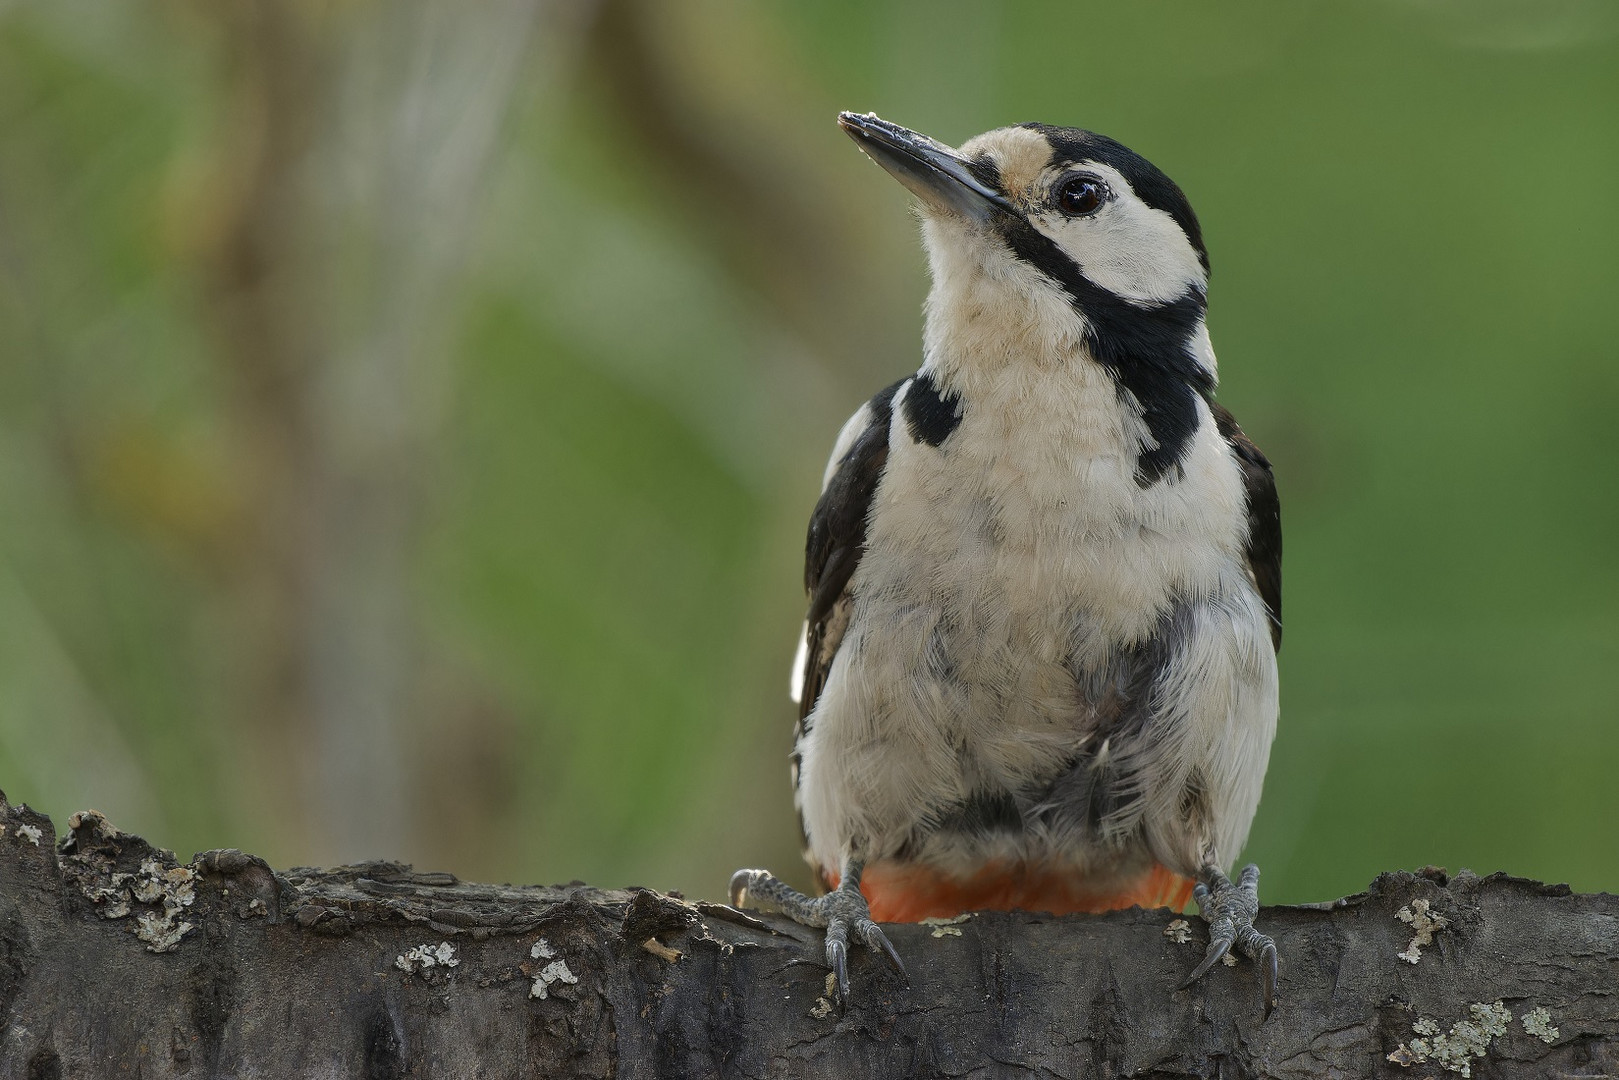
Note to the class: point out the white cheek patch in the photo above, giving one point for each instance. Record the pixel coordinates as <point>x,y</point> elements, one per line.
<point>1128,248</point>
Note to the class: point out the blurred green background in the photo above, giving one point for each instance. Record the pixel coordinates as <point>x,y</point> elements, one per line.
<point>409,413</point>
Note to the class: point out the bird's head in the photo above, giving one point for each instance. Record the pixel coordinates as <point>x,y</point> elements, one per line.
<point>1046,239</point>
<point>1109,212</point>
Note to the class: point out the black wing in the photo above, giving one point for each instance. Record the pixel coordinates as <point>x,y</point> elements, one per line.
<point>837,539</point>
<point>1264,517</point>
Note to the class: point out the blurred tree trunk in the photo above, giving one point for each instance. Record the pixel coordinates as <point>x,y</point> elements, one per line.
<point>114,962</point>
<point>353,148</point>
<point>356,141</point>
<point>704,94</point>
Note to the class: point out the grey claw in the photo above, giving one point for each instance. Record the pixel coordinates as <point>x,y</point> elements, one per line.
<point>1269,963</point>
<point>876,939</point>
<point>837,957</point>
<point>1218,947</point>
<point>739,887</point>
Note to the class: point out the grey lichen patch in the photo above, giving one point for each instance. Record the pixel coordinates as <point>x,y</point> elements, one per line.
<point>950,927</point>
<point>30,833</point>
<point>1538,1022</point>
<point>1179,931</point>
<point>557,971</point>
<point>112,901</point>
<point>1455,1049</point>
<point>167,892</point>
<point>423,957</point>
<point>90,859</point>
<point>1426,922</point>
<point>162,933</point>
<point>173,891</point>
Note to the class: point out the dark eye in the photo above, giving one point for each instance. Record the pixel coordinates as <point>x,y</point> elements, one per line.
<point>1080,195</point>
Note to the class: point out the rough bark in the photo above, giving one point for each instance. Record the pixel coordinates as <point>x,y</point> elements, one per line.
<point>115,961</point>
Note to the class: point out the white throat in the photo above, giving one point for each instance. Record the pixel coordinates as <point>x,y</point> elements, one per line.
<point>989,313</point>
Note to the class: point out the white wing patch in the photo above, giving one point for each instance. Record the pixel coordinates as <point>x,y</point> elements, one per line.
<point>852,429</point>
<point>795,686</point>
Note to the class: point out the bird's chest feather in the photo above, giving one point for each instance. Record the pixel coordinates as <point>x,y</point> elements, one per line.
<point>1009,566</point>
<point>1025,527</point>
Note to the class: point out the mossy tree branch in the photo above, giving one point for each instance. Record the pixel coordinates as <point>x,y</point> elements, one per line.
<point>115,961</point>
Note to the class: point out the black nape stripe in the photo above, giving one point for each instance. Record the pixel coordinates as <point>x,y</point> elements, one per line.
<point>930,416</point>
<point>1148,349</point>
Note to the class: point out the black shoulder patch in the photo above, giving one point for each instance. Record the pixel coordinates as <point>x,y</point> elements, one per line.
<point>929,415</point>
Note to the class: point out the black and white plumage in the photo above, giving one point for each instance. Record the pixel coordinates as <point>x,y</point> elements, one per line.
<point>1045,570</point>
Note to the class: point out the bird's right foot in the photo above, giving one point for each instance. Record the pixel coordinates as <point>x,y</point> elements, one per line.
<point>843,912</point>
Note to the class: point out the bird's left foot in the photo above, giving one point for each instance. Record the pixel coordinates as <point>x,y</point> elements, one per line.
<point>1229,910</point>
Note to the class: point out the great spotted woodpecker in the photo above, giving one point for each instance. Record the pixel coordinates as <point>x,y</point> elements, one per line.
<point>1039,665</point>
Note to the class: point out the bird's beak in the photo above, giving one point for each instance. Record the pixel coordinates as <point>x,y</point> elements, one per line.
<point>932,171</point>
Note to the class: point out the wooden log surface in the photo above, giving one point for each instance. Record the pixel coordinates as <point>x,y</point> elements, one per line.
<point>115,960</point>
